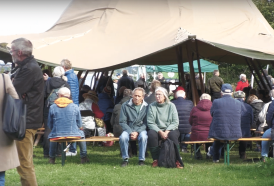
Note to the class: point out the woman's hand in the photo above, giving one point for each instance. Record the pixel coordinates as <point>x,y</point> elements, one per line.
<point>163,135</point>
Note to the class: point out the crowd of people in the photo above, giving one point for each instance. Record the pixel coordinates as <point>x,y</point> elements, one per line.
<point>136,112</point>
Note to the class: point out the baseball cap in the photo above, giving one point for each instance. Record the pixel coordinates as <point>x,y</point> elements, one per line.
<point>226,88</point>
<point>178,88</point>
<point>239,94</point>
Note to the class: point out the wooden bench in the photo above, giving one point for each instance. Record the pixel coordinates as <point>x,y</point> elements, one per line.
<point>70,140</point>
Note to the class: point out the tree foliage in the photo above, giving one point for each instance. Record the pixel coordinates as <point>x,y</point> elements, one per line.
<point>266,7</point>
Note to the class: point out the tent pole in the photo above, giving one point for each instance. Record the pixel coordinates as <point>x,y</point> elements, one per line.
<point>92,78</point>
<point>204,77</point>
<point>95,81</point>
<point>79,74</point>
<point>199,67</point>
<point>83,80</point>
<point>110,77</point>
<point>251,70</point>
<point>96,84</point>
<point>260,67</point>
<point>259,75</point>
<point>180,66</point>
<point>192,77</point>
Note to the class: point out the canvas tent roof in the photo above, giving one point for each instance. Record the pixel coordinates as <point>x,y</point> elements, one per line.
<point>205,67</point>
<point>117,33</point>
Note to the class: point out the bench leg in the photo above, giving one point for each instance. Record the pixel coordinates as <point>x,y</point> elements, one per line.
<point>195,150</point>
<point>227,147</point>
<point>63,146</point>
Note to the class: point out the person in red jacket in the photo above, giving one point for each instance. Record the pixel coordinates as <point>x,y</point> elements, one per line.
<point>242,83</point>
<point>200,119</point>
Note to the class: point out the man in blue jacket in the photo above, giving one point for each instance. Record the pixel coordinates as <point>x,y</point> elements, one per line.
<point>74,88</point>
<point>134,123</point>
<point>246,122</point>
<point>226,120</point>
<point>184,108</point>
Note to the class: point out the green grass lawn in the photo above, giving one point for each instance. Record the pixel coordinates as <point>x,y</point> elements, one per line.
<point>104,169</point>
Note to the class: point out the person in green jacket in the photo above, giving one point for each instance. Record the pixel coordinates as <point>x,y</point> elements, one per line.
<point>134,123</point>
<point>162,122</point>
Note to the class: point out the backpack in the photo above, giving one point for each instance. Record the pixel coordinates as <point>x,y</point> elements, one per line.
<point>53,96</point>
<point>169,154</point>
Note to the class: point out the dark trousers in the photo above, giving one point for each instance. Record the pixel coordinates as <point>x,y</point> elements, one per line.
<point>215,95</point>
<point>206,146</point>
<point>242,147</point>
<point>217,145</point>
<point>46,142</point>
<point>154,137</point>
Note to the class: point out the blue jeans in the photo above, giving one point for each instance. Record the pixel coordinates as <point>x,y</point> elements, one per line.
<point>53,147</point>
<point>216,149</point>
<point>142,142</point>
<point>185,137</point>
<point>72,147</point>
<point>266,144</point>
<point>2,178</point>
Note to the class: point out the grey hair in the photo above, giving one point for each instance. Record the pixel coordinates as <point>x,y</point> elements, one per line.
<point>271,93</point>
<point>242,75</point>
<point>64,91</point>
<point>59,72</point>
<point>180,93</point>
<point>164,91</point>
<point>124,72</point>
<point>140,89</point>
<point>66,63</point>
<point>127,92</point>
<point>24,45</point>
<point>205,96</point>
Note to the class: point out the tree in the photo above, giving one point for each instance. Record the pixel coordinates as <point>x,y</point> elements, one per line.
<point>266,7</point>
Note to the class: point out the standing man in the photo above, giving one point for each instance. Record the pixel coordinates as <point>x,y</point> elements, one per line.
<point>134,122</point>
<point>214,85</point>
<point>184,108</point>
<point>74,88</point>
<point>29,84</point>
<point>161,78</point>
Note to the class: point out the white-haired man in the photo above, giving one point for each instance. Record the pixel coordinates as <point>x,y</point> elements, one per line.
<point>184,108</point>
<point>134,123</point>
<point>29,84</point>
<point>242,83</point>
<point>226,120</point>
<point>64,120</point>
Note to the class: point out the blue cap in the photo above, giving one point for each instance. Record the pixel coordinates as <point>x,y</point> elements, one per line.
<point>226,88</point>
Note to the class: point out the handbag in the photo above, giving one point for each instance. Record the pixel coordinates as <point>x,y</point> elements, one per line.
<point>14,116</point>
<point>99,122</point>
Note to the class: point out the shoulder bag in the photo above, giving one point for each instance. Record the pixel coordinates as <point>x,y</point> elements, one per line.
<point>14,116</point>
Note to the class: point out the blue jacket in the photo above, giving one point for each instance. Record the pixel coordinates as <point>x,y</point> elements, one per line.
<point>246,119</point>
<point>105,105</point>
<point>226,119</point>
<point>64,122</point>
<point>74,86</point>
<point>184,108</point>
<point>269,115</point>
<point>130,120</point>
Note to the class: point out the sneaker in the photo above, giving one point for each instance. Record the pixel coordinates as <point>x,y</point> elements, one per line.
<point>51,160</point>
<point>155,163</point>
<point>178,165</point>
<point>215,161</point>
<point>84,160</point>
<point>124,164</point>
<point>141,163</point>
<point>71,153</point>
<point>185,151</point>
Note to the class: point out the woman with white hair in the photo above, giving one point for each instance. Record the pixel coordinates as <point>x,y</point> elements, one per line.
<point>51,87</point>
<point>200,119</point>
<point>162,121</point>
<point>242,83</point>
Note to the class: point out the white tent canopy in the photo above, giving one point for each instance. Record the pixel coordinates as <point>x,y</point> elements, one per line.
<point>116,33</point>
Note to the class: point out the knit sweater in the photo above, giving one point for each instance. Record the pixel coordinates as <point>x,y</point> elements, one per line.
<point>162,116</point>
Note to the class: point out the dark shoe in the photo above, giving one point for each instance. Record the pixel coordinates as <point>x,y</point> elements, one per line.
<point>198,156</point>
<point>84,160</point>
<point>178,165</point>
<point>185,151</point>
<point>51,160</point>
<point>124,164</point>
<point>141,163</point>
<point>155,163</point>
<point>46,156</point>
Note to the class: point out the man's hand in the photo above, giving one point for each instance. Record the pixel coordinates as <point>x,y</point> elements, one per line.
<point>134,135</point>
<point>45,77</point>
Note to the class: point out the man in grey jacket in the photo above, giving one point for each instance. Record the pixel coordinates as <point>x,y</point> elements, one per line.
<point>133,122</point>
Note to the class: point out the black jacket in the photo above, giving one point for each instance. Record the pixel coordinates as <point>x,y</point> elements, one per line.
<point>125,81</point>
<point>54,83</point>
<point>29,80</point>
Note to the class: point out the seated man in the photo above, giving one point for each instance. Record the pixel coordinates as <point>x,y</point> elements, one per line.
<point>64,120</point>
<point>226,120</point>
<point>133,122</point>
<point>246,122</point>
